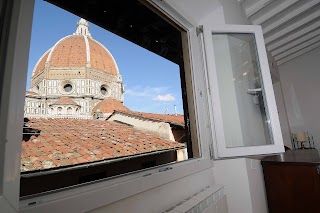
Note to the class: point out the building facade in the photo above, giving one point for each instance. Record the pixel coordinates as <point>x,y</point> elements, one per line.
<point>72,77</point>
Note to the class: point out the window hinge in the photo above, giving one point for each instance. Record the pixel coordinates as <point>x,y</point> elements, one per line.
<point>318,170</point>
<point>211,152</point>
<point>199,30</point>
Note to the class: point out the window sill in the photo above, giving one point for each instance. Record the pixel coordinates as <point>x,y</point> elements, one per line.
<point>92,196</point>
<point>5,205</point>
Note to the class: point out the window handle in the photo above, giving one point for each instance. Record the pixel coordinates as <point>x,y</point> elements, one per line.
<point>255,94</point>
<point>255,91</point>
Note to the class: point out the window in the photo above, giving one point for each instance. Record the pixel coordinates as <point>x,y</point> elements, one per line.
<point>67,87</point>
<point>245,113</point>
<point>121,134</point>
<point>103,90</point>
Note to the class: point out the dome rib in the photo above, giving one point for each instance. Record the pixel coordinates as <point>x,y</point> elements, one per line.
<point>54,46</point>
<point>87,49</point>
<point>70,52</point>
<point>113,61</point>
<point>40,65</point>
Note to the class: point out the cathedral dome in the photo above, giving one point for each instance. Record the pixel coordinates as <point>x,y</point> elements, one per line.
<point>73,76</point>
<point>78,51</point>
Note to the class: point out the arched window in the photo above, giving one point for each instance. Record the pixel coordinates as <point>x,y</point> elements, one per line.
<point>59,110</point>
<point>69,110</point>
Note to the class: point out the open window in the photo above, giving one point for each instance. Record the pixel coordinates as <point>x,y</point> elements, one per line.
<point>108,136</point>
<point>243,105</point>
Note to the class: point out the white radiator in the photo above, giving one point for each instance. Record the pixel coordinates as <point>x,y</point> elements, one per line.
<point>208,200</point>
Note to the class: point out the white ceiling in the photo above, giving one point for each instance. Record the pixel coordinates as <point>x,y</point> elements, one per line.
<point>291,27</point>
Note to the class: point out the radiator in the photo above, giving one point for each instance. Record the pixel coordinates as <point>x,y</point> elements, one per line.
<point>208,200</point>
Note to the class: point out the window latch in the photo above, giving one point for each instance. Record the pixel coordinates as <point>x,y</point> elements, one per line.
<point>211,152</point>
<point>199,30</point>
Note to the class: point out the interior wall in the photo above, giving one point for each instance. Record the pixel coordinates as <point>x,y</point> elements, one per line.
<point>243,183</point>
<point>233,12</point>
<point>161,198</point>
<point>300,79</point>
<point>282,112</point>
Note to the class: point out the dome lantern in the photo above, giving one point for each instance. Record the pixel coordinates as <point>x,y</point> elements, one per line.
<point>82,28</point>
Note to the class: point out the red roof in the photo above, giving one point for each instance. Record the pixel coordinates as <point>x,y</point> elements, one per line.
<point>169,118</point>
<point>64,142</point>
<point>64,101</point>
<point>71,51</point>
<point>109,106</point>
<point>31,93</point>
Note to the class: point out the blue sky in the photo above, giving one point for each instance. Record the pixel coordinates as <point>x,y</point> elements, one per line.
<point>152,83</point>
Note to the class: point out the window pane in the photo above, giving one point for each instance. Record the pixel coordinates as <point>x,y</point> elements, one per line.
<point>98,104</point>
<point>244,113</point>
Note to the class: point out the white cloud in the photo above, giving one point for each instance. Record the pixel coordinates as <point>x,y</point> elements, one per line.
<point>145,91</point>
<point>167,97</point>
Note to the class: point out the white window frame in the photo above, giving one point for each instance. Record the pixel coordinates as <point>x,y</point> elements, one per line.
<point>221,150</point>
<point>88,196</point>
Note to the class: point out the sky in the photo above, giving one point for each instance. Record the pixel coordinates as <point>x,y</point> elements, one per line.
<point>152,83</point>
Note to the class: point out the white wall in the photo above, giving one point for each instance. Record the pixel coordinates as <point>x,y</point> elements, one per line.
<point>285,129</point>
<point>233,12</point>
<point>243,183</point>
<point>161,198</point>
<point>300,80</point>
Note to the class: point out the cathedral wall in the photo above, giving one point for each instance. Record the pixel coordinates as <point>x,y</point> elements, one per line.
<point>84,83</point>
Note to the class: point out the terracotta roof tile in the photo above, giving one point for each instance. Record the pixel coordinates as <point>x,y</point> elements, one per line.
<point>64,101</point>
<point>109,106</point>
<point>100,58</point>
<point>41,64</point>
<point>169,118</point>
<point>63,142</point>
<point>69,52</point>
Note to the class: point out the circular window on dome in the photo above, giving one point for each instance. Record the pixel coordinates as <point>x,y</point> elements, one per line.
<point>67,87</point>
<point>103,90</point>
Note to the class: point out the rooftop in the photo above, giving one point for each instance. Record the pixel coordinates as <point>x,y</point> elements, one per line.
<point>176,119</point>
<point>109,106</point>
<point>53,143</point>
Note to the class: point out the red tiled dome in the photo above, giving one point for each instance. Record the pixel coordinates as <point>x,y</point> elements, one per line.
<point>78,51</point>
<point>109,105</point>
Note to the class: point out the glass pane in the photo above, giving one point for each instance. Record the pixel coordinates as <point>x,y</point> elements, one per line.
<point>244,113</point>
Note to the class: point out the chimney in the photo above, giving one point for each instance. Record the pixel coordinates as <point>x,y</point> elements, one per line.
<point>166,111</point>
<point>175,110</point>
